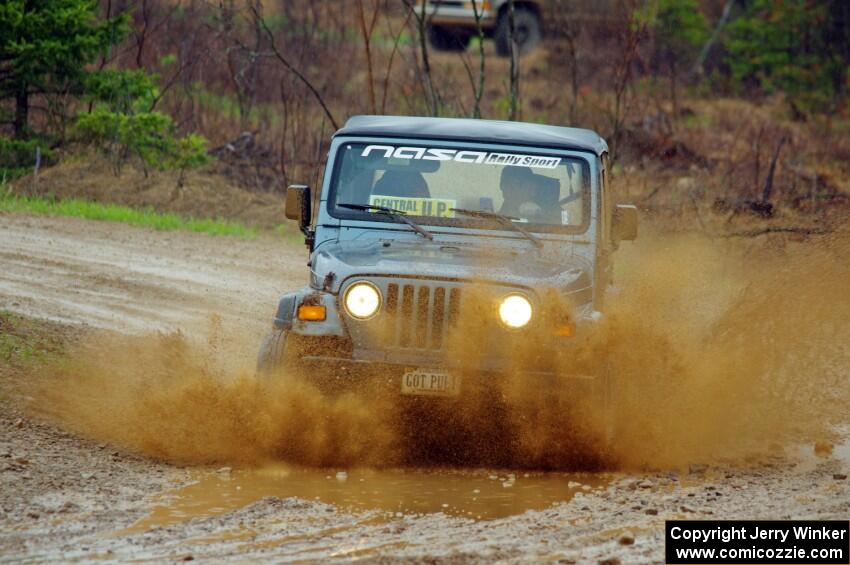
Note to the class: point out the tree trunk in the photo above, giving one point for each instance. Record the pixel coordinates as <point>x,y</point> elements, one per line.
<point>573,58</point>
<point>22,111</point>
<point>768,184</point>
<point>513,110</point>
<point>703,55</point>
<point>478,91</point>
<point>431,94</point>
<point>673,78</point>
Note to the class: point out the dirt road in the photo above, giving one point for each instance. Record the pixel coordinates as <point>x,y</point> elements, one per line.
<point>66,498</point>
<point>113,276</point>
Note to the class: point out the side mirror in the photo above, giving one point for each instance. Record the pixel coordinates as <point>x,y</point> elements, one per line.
<point>298,205</point>
<point>625,223</point>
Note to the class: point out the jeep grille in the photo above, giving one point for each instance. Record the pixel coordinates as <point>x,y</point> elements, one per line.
<point>420,315</point>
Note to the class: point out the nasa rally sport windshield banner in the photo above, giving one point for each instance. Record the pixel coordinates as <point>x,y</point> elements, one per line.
<point>463,156</point>
<point>757,541</point>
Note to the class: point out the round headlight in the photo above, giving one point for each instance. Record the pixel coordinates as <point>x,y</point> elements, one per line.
<point>362,300</point>
<point>515,311</point>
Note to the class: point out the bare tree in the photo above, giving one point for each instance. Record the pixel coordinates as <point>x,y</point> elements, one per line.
<point>366,30</point>
<point>631,32</point>
<point>185,66</point>
<point>513,107</point>
<point>706,49</point>
<point>243,58</point>
<point>757,154</point>
<point>767,192</point>
<point>477,84</point>
<point>141,32</point>
<point>396,40</point>
<point>284,100</point>
<point>570,30</point>
<point>295,71</point>
<point>422,21</point>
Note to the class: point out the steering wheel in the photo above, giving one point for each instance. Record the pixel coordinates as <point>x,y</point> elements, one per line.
<point>571,197</point>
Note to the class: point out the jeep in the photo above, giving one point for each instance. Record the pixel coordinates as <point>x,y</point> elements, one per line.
<point>430,232</point>
<point>452,24</point>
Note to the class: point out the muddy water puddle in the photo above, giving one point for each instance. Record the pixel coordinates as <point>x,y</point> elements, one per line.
<point>477,494</point>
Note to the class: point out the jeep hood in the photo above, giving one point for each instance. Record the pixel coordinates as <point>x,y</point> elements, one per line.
<point>520,266</point>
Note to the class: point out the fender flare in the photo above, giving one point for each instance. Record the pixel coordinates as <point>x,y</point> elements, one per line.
<point>286,309</point>
<point>285,318</point>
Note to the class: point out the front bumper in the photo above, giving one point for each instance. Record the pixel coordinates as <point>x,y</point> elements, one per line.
<point>351,365</point>
<point>559,361</point>
<point>334,375</point>
<point>550,358</point>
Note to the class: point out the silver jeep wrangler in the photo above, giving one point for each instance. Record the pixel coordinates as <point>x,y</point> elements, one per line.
<point>433,232</point>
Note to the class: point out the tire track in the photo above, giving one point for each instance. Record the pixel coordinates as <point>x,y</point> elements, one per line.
<point>128,279</point>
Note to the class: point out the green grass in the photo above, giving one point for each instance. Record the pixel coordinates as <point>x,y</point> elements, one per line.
<point>25,342</point>
<point>144,217</point>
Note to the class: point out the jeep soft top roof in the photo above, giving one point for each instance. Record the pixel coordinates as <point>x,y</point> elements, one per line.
<point>489,131</point>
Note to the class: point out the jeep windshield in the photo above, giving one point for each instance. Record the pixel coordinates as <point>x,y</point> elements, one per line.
<point>434,185</point>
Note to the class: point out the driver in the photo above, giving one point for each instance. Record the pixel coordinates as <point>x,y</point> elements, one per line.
<point>519,193</point>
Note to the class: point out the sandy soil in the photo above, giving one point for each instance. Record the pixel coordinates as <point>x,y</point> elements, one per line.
<point>66,498</point>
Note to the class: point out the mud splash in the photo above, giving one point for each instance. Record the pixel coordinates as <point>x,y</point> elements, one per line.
<point>725,350</point>
<point>169,398</point>
<point>720,349</point>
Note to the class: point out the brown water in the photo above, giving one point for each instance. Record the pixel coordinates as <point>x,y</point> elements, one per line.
<point>476,494</point>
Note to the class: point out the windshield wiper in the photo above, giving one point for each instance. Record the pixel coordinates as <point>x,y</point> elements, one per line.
<point>393,213</point>
<point>502,219</point>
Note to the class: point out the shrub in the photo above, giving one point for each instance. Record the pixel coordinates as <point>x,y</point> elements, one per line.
<point>123,124</point>
<point>18,158</point>
<point>150,136</point>
<point>790,46</point>
<point>189,152</point>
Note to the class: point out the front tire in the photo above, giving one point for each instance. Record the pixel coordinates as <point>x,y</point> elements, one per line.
<point>610,408</point>
<point>274,356</point>
<point>448,39</point>
<point>526,29</point>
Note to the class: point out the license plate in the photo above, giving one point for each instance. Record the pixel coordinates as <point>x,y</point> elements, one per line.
<point>430,382</point>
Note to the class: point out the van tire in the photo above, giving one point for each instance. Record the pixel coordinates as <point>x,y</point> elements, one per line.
<point>449,39</point>
<point>528,31</point>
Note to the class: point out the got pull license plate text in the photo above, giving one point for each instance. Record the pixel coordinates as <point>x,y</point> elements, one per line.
<point>430,382</point>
